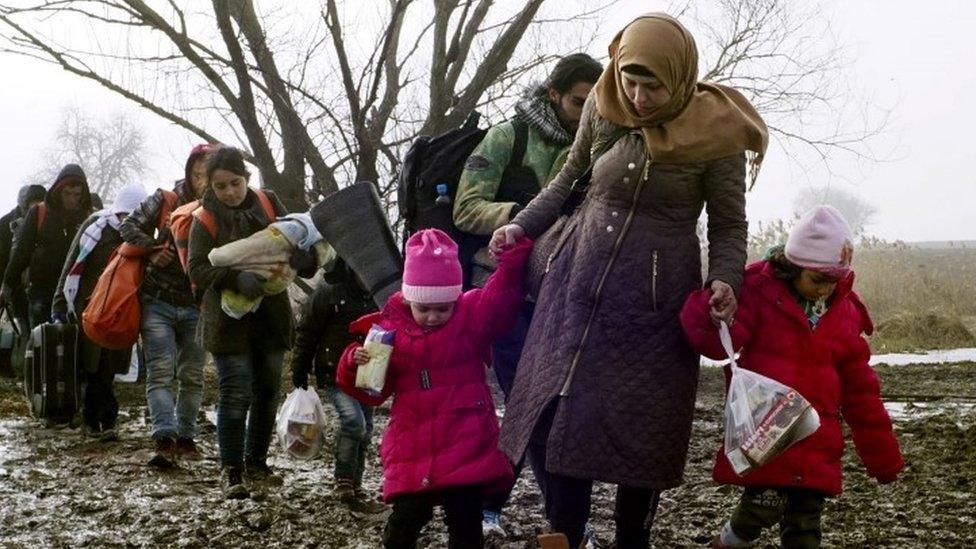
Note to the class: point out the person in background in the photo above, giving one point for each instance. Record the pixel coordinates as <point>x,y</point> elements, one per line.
<point>27,197</point>
<point>42,242</point>
<point>90,252</point>
<point>321,336</point>
<point>169,320</point>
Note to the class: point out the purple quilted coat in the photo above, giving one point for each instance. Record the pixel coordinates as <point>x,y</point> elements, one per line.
<point>605,338</point>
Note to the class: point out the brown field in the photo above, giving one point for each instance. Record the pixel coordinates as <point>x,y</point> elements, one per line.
<point>929,290</point>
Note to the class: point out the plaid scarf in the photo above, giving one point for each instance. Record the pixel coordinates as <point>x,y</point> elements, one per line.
<point>86,243</point>
<point>537,111</point>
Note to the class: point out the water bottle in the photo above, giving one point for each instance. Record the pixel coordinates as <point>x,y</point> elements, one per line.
<point>442,198</point>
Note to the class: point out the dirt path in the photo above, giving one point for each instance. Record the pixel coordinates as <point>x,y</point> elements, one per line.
<point>59,490</point>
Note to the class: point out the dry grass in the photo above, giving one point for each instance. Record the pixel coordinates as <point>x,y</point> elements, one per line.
<point>919,298</point>
<point>896,281</point>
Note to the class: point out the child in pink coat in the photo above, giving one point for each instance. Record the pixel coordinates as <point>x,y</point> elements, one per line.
<point>441,444</point>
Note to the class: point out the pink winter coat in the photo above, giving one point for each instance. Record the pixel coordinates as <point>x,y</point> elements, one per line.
<point>828,366</point>
<point>443,430</point>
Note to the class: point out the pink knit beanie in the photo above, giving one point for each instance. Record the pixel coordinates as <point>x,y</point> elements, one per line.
<point>431,272</point>
<point>822,241</point>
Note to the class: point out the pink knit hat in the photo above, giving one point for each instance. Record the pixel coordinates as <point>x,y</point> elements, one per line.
<point>822,241</point>
<point>431,272</point>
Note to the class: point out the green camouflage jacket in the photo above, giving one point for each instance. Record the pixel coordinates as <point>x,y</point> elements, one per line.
<point>475,209</point>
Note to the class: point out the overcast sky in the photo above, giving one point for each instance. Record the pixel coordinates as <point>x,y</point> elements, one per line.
<point>909,56</point>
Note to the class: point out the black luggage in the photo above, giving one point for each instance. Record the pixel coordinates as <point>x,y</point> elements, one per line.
<point>51,372</point>
<point>353,221</point>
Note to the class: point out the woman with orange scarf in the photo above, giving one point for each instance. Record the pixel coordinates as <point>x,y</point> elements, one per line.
<point>605,388</point>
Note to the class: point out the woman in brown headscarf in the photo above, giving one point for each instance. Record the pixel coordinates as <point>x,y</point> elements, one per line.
<point>605,388</point>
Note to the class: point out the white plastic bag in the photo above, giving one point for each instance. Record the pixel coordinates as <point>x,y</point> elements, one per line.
<point>301,424</point>
<point>372,375</point>
<point>763,417</point>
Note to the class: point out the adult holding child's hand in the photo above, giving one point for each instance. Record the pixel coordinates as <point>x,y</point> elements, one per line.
<point>504,236</point>
<point>605,389</point>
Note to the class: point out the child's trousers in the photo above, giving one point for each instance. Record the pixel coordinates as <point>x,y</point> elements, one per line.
<point>462,515</point>
<point>796,510</point>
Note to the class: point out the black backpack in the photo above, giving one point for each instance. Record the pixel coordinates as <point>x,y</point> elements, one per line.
<point>439,160</point>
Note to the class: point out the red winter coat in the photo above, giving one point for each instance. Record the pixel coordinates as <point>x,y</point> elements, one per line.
<point>445,435</point>
<point>828,366</point>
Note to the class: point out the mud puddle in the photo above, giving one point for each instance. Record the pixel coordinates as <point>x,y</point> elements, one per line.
<point>58,489</point>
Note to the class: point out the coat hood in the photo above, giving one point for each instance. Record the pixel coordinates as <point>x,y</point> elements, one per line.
<point>30,193</point>
<point>71,172</point>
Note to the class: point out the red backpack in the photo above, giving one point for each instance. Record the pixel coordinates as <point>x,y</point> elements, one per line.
<point>113,316</point>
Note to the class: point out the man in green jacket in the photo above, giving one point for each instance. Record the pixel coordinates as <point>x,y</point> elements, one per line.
<point>514,161</point>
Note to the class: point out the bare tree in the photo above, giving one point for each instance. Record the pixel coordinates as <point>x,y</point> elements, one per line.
<point>324,94</point>
<point>784,56</point>
<point>856,210</point>
<point>112,152</point>
<point>314,104</point>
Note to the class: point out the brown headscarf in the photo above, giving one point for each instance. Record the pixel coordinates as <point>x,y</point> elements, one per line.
<point>701,121</point>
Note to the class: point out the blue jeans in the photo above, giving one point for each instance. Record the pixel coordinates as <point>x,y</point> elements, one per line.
<point>171,351</point>
<point>248,393</point>
<point>352,440</point>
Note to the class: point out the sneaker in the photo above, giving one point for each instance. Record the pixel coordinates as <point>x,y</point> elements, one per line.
<point>187,448</point>
<point>165,455</point>
<point>234,487</point>
<point>491,525</point>
<point>258,471</point>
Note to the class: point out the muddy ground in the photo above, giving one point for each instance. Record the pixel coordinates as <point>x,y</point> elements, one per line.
<point>59,490</point>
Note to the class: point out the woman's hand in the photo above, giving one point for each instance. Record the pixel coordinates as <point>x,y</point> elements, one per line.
<point>361,356</point>
<point>722,303</point>
<point>505,236</point>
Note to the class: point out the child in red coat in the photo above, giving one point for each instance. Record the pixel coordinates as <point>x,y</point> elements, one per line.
<point>800,323</point>
<point>441,444</point>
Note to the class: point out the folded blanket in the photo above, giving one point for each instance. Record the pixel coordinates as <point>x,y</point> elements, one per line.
<point>266,253</point>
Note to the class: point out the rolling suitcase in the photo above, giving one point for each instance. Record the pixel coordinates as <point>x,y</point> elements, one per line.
<point>51,373</point>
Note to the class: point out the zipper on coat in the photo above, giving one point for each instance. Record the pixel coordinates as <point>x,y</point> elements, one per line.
<point>603,279</point>
<point>654,281</point>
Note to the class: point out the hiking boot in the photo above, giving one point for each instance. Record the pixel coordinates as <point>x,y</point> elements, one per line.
<point>108,435</point>
<point>164,456</point>
<point>234,487</point>
<point>258,471</point>
<point>357,500</point>
<point>187,448</point>
<point>491,525</point>
<point>344,491</point>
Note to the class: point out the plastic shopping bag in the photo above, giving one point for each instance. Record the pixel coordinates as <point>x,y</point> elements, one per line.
<point>379,344</point>
<point>301,424</point>
<point>763,417</point>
